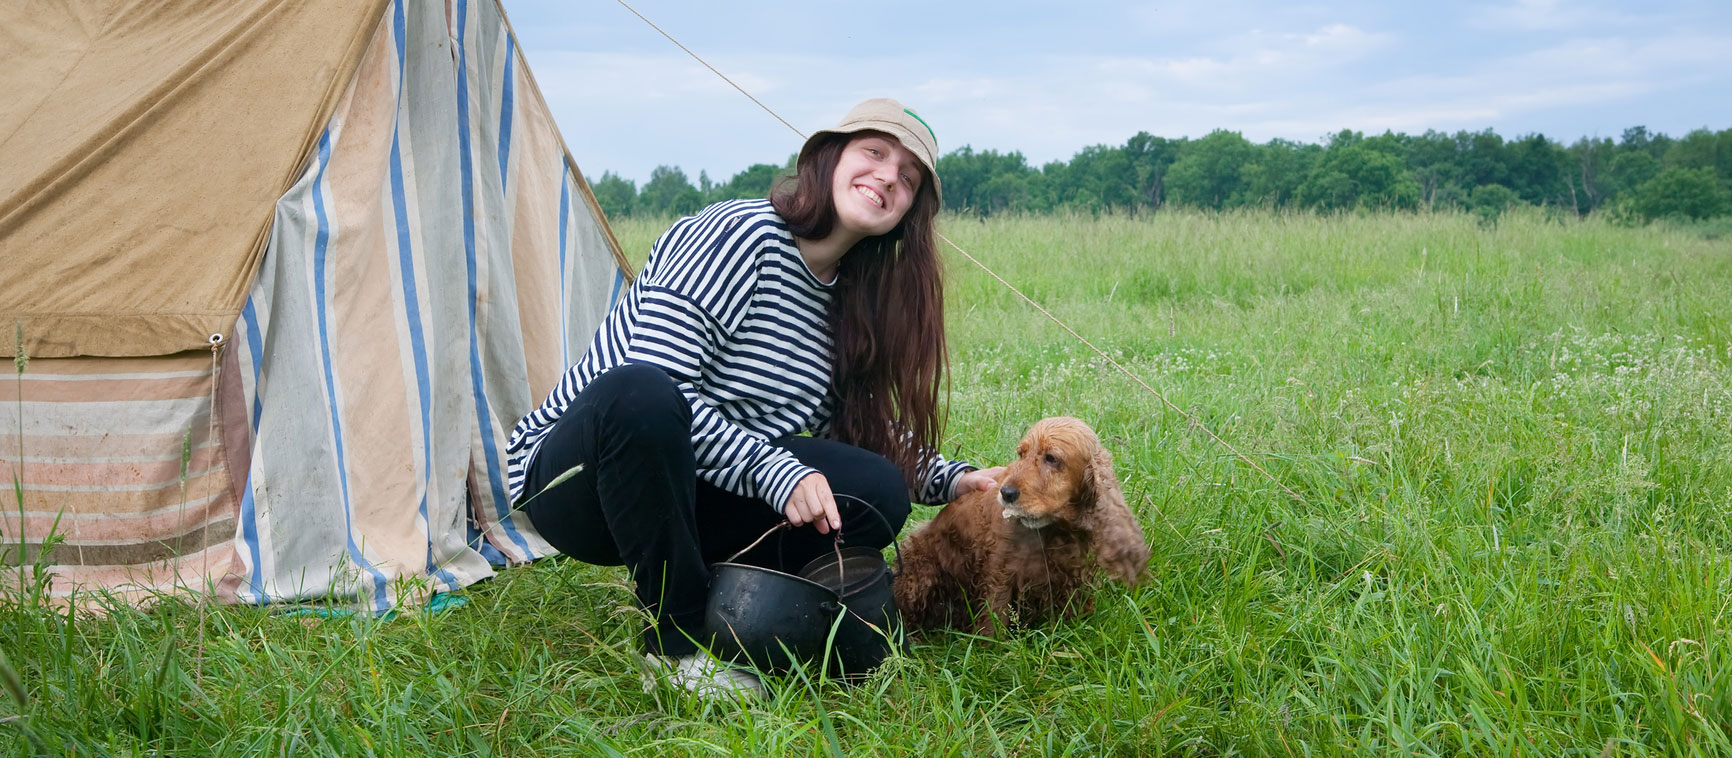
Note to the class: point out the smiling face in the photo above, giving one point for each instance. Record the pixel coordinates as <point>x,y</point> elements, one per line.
<point>874,184</point>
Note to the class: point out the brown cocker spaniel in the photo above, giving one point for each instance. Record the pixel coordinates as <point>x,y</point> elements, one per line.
<point>1030,549</point>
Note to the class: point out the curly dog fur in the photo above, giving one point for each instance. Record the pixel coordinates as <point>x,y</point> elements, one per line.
<point>1030,549</point>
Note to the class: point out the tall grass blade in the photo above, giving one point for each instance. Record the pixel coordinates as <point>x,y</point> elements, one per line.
<point>14,685</point>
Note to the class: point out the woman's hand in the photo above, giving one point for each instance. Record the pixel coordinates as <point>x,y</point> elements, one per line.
<point>812,501</point>
<point>979,480</point>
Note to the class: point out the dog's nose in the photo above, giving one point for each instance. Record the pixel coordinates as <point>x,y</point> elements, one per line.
<point>1008,492</point>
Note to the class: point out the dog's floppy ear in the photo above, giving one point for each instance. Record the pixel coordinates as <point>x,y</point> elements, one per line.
<point>1118,538</point>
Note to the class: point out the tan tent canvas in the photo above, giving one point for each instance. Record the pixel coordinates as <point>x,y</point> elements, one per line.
<point>287,273</point>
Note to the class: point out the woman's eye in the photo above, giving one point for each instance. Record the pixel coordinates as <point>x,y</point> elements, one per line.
<point>873,151</point>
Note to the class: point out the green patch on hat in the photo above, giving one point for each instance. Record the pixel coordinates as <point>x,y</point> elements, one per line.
<point>922,123</point>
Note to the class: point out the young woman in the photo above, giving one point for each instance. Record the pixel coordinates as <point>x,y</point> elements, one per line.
<point>819,310</point>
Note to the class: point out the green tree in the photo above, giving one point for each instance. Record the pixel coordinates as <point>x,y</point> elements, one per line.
<point>1686,193</point>
<point>1272,177</point>
<point>668,191</point>
<point>1639,139</point>
<point>615,195</point>
<point>967,175</point>
<point>1003,192</point>
<point>1723,155</point>
<point>1359,173</point>
<point>1703,149</point>
<point>1047,188</point>
<point>1209,171</point>
<point>1480,157</point>
<point>1631,168</point>
<point>1589,177</point>
<point>1433,159</point>
<point>1101,177</point>
<point>1150,158</point>
<point>1536,167</point>
<point>754,182</point>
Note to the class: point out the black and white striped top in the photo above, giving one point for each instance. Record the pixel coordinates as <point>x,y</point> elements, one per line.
<point>728,308</point>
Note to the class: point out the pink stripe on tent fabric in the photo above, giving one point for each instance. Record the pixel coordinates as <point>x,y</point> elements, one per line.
<point>119,527</point>
<point>372,366</point>
<point>234,430</point>
<point>412,274</point>
<point>331,236</point>
<point>538,163</point>
<point>102,502</point>
<point>156,535</point>
<point>102,467</point>
<point>132,473</point>
<point>203,571</point>
<point>488,132</point>
<point>47,389</point>
<point>141,367</point>
<point>52,447</point>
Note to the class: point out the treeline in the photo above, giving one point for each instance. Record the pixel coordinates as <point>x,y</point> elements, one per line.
<point>1639,176</point>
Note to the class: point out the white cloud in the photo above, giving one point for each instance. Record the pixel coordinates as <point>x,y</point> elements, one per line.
<point>954,89</point>
<point>652,77</point>
<point>1545,15</point>
<point>1340,36</point>
<point>1252,60</point>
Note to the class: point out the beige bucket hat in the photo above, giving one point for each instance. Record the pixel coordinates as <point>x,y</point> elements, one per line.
<point>893,118</point>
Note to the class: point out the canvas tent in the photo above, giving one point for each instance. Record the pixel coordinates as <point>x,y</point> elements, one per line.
<point>287,272</point>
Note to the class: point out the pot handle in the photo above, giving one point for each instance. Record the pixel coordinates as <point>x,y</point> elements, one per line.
<point>778,527</point>
<point>886,522</point>
<point>786,525</point>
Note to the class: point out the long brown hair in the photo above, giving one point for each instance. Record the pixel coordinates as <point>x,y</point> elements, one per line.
<point>887,316</point>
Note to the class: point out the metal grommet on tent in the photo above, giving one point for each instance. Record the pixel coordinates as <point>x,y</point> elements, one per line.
<point>216,339</point>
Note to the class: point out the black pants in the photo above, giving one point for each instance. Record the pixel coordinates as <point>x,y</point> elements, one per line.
<point>638,501</point>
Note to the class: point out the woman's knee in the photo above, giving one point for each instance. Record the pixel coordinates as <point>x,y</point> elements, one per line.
<point>637,398</point>
<point>881,484</point>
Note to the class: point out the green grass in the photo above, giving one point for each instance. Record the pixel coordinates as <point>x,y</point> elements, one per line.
<point>1512,447</point>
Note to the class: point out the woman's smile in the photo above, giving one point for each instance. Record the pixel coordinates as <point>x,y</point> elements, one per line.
<point>871,195</point>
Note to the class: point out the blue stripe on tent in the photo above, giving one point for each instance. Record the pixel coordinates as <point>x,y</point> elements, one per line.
<point>564,220</point>
<point>411,295</point>
<point>488,552</point>
<point>256,347</point>
<point>250,540</point>
<point>483,417</point>
<point>618,282</point>
<point>321,249</point>
<point>249,510</point>
<point>505,113</point>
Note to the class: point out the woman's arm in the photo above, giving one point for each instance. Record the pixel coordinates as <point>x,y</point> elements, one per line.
<point>701,289</point>
<point>942,480</point>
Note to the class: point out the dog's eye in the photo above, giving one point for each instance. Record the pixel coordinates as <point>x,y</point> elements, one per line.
<point>1051,460</point>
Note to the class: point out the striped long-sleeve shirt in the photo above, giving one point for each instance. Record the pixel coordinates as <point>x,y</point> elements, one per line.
<point>727,307</point>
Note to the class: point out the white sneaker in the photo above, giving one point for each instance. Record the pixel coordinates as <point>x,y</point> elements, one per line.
<point>701,675</point>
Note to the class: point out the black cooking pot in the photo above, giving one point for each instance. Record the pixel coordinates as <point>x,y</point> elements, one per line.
<point>766,617</point>
<point>772,619</point>
<point>869,626</point>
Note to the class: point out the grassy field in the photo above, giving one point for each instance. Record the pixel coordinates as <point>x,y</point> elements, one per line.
<point>1509,450</point>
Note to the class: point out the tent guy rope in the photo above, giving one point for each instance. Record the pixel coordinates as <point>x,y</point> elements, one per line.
<point>1195,423</point>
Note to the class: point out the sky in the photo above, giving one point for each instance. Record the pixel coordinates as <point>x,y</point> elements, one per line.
<point>1048,79</point>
